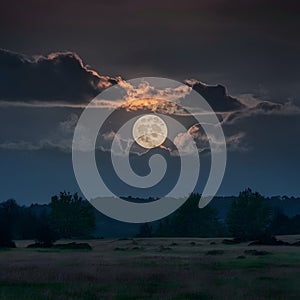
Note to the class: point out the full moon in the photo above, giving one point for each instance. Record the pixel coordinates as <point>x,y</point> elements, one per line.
<point>149,131</point>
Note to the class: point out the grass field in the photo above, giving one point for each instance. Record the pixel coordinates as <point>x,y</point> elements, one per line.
<point>177,268</point>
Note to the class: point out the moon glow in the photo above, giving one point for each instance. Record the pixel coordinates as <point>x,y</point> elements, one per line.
<point>150,131</point>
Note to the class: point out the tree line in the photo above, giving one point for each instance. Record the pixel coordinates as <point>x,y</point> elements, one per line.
<point>250,217</point>
<point>68,216</point>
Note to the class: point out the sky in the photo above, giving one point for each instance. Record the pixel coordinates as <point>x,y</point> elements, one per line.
<point>243,56</point>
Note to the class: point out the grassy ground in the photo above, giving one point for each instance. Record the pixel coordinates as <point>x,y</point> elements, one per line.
<point>152,269</point>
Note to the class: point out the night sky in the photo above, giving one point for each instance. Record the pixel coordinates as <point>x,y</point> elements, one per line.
<point>57,55</point>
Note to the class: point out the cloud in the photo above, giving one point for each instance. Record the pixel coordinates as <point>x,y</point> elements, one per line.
<point>61,79</point>
<point>256,107</point>
<point>44,144</point>
<point>122,146</point>
<point>231,109</point>
<point>141,97</point>
<point>59,139</point>
<point>57,77</point>
<point>234,142</point>
<point>145,96</point>
<point>216,96</point>
<point>145,90</point>
<point>68,126</point>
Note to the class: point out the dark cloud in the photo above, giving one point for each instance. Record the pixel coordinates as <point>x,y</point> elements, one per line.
<point>60,76</point>
<point>269,106</point>
<point>216,96</point>
<point>262,108</point>
<point>63,77</point>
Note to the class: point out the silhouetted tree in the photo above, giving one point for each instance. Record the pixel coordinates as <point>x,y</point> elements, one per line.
<point>145,230</point>
<point>295,225</point>
<point>70,216</point>
<point>45,234</point>
<point>249,217</point>
<point>190,221</point>
<point>281,224</point>
<point>25,224</point>
<point>9,211</point>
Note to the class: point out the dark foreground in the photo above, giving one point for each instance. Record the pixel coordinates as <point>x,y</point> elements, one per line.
<point>152,269</point>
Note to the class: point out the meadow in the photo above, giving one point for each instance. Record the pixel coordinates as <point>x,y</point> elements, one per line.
<point>152,268</point>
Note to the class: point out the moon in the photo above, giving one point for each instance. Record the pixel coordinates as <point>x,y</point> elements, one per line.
<point>150,131</point>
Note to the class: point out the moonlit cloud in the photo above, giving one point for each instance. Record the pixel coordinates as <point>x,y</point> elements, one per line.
<point>234,142</point>
<point>78,84</point>
<point>59,77</point>
<point>145,90</point>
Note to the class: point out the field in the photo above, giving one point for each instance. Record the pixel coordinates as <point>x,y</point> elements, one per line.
<point>177,268</point>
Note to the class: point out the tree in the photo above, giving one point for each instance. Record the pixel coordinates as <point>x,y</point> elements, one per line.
<point>249,217</point>
<point>9,211</point>
<point>295,225</point>
<point>190,221</point>
<point>70,216</point>
<point>26,224</point>
<point>44,233</point>
<point>281,224</point>
<point>145,230</point>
